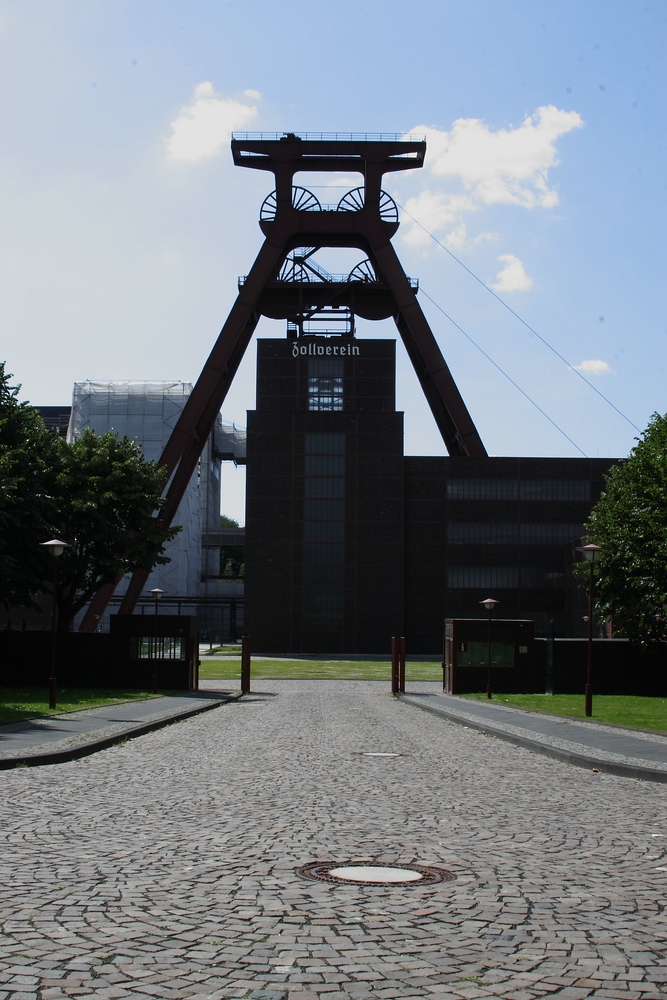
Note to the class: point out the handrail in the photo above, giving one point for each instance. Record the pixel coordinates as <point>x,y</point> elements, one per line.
<point>328,136</point>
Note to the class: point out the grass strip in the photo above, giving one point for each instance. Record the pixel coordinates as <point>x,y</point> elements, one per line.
<point>17,704</point>
<point>621,710</point>
<point>344,670</point>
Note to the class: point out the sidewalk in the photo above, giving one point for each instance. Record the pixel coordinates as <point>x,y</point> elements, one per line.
<point>59,738</point>
<point>633,753</point>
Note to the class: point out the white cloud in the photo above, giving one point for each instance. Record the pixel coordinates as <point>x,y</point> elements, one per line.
<point>438,212</point>
<point>203,128</point>
<point>474,166</point>
<point>593,367</point>
<point>255,94</point>
<point>512,277</point>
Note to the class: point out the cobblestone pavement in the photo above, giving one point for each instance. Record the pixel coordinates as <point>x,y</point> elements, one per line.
<point>165,867</point>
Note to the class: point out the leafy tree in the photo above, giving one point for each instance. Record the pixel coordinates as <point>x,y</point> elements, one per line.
<point>106,493</point>
<point>228,522</point>
<point>232,557</point>
<point>29,463</point>
<point>629,522</point>
<point>97,494</point>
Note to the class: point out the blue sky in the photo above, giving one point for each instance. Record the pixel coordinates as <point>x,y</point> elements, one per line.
<point>123,223</point>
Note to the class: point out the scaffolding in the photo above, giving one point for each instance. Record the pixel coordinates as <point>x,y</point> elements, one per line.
<point>230,442</point>
<point>147,413</point>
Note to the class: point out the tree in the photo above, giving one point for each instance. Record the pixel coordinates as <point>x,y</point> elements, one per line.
<point>97,494</point>
<point>232,557</point>
<point>106,493</point>
<point>29,463</point>
<point>629,522</point>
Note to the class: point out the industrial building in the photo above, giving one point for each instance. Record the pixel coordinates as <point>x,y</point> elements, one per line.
<point>348,541</point>
<point>147,412</point>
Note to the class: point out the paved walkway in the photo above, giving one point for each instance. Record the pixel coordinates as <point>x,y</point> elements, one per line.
<point>74,734</point>
<point>165,867</point>
<point>613,749</point>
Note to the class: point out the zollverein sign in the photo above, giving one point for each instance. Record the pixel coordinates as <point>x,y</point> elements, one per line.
<point>325,350</point>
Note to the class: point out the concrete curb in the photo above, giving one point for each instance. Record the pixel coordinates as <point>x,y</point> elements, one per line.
<point>567,756</point>
<point>93,746</point>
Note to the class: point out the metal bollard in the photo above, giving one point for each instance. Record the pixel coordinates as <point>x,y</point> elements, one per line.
<point>395,679</point>
<point>245,664</point>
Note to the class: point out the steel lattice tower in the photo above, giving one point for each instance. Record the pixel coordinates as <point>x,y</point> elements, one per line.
<point>285,282</point>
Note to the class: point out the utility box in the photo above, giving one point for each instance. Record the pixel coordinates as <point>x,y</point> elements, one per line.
<point>466,656</point>
<point>142,643</point>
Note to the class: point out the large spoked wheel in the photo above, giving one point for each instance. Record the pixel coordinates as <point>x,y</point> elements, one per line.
<point>363,271</point>
<point>267,212</point>
<point>388,208</point>
<point>302,199</point>
<point>353,201</point>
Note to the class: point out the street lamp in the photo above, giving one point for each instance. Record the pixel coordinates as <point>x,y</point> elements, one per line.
<point>489,603</point>
<point>157,594</point>
<point>56,548</point>
<point>590,552</point>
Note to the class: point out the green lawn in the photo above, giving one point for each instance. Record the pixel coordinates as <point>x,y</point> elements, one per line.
<point>30,703</point>
<point>623,710</point>
<point>346,670</point>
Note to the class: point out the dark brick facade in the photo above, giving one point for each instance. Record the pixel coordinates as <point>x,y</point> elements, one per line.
<point>349,542</point>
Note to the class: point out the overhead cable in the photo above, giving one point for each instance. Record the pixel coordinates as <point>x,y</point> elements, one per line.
<point>496,365</point>
<point>520,318</point>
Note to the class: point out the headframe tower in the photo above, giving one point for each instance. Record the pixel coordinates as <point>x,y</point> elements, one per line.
<point>285,282</point>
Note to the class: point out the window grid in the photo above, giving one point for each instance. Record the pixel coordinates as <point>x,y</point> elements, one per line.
<point>515,489</point>
<point>499,533</point>
<point>324,531</point>
<point>325,384</point>
<point>503,578</point>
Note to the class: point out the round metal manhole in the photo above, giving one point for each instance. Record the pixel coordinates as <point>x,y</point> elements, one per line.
<point>372,873</point>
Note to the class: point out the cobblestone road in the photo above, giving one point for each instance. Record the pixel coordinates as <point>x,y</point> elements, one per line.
<point>165,867</point>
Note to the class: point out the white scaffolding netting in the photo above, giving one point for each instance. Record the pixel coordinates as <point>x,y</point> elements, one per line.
<point>230,442</point>
<point>147,412</point>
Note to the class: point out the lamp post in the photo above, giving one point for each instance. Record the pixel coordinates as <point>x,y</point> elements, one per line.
<point>157,594</point>
<point>56,548</point>
<point>489,603</point>
<point>590,552</point>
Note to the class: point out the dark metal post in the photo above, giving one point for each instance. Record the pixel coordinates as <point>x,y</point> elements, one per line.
<point>232,621</point>
<point>489,603</point>
<point>549,685</point>
<point>590,551</point>
<point>395,685</point>
<point>401,664</point>
<point>588,700</point>
<point>56,547</point>
<point>54,625</point>
<point>157,594</point>
<point>245,664</point>
<point>155,648</point>
<point>488,674</point>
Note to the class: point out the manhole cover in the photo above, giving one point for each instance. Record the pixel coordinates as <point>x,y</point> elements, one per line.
<point>372,873</point>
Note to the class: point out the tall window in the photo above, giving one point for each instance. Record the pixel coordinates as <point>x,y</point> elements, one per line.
<point>324,531</point>
<point>325,384</point>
